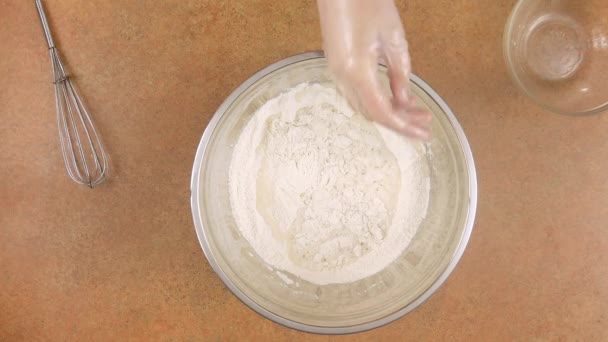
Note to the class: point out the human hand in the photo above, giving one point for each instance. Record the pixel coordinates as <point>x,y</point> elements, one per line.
<point>356,34</point>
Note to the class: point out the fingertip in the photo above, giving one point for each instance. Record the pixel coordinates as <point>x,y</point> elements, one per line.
<point>420,115</point>
<point>415,115</point>
<point>418,132</point>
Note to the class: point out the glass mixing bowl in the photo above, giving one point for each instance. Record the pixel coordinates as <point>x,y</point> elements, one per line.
<point>557,53</point>
<point>336,308</point>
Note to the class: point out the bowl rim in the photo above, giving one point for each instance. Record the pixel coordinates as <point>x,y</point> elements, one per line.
<point>205,245</point>
<point>507,53</point>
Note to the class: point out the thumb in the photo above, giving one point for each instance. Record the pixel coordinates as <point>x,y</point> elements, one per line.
<point>395,51</point>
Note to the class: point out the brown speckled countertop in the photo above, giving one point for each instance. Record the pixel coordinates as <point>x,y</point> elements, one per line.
<point>122,262</point>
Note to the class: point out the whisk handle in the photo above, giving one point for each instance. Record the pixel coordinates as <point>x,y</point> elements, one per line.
<point>45,24</point>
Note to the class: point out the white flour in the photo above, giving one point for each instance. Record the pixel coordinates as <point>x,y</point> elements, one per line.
<point>322,193</point>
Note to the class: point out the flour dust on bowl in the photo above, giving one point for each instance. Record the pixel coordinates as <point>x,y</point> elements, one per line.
<point>320,220</point>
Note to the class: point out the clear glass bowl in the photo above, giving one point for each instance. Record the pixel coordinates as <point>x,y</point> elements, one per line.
<point>557,53</point>
<point>337,308</point>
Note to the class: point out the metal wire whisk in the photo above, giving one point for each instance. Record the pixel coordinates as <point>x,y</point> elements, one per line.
<point>83,153</point>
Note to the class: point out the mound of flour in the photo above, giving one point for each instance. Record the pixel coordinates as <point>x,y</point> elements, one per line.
<point>322,193</point>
